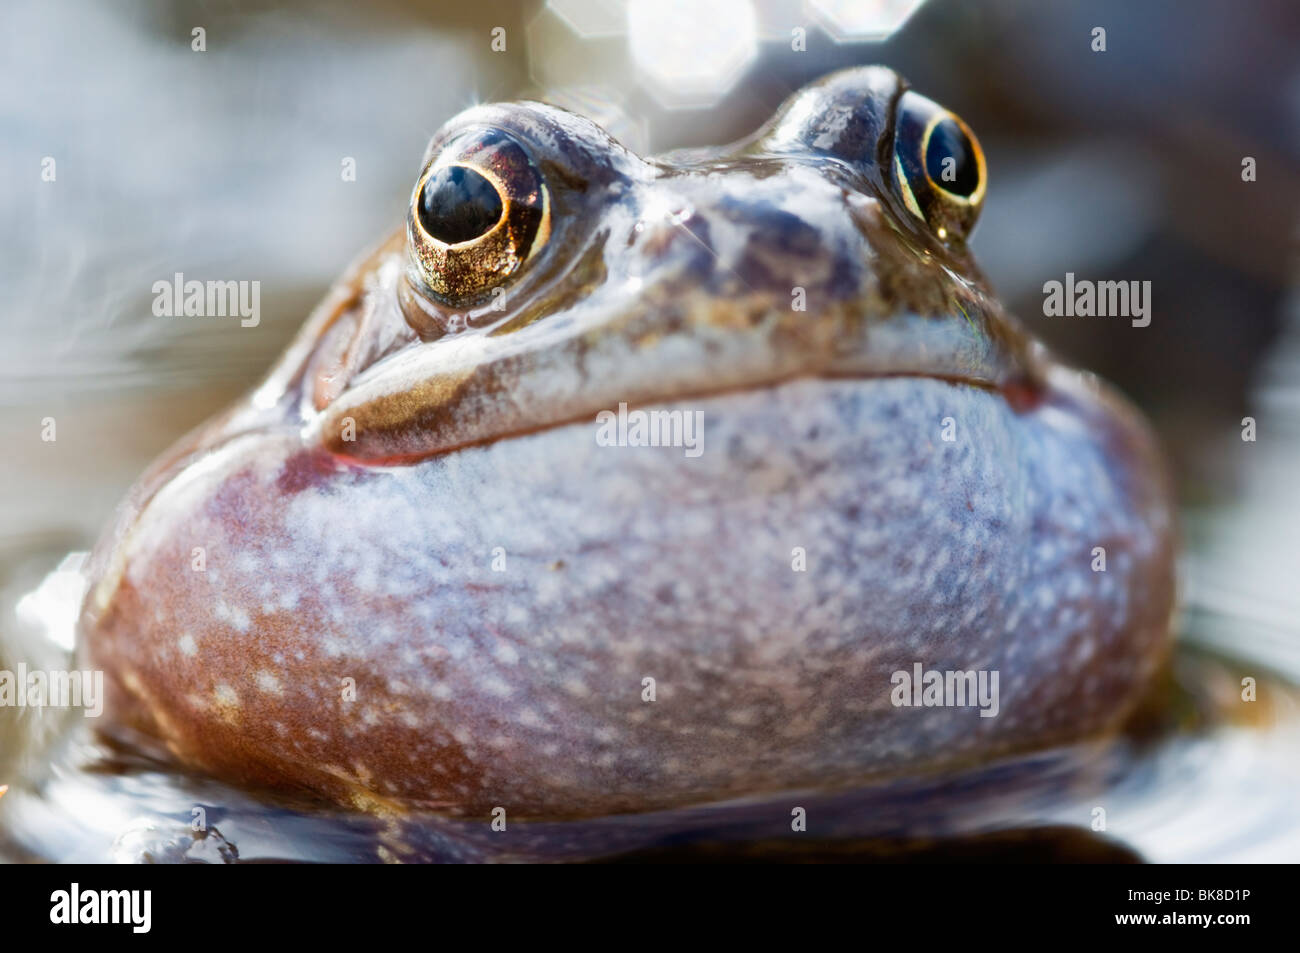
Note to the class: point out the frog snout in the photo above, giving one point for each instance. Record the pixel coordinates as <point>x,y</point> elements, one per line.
<point>753,235</point>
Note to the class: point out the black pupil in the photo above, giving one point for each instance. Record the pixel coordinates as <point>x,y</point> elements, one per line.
<point>960,176</point>
<point>457,204</point>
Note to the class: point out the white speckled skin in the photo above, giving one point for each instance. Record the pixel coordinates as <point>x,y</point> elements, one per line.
<point>523,688</point>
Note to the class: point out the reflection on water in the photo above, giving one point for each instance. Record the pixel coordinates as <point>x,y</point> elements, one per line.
<point>1197,775</point>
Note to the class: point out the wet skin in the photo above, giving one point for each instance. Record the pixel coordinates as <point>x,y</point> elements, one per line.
<point>404,574</point>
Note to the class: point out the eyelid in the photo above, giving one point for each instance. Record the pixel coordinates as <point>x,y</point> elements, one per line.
<point>905,187</point>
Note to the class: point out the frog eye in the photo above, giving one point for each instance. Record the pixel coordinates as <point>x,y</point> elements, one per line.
<point>479,210</point>
<point>938,167</point>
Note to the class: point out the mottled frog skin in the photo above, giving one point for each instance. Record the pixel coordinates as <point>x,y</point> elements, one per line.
<point>404,572</point>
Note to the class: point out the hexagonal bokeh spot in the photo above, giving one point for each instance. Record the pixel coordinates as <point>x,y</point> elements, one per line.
<point>857,20</point>
<point>592,18</point>
<point>778,18</point>
<point>559,57</point>
<point>690,54</point>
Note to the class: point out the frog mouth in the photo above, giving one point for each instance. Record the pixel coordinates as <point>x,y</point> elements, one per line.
<point>434,398</point>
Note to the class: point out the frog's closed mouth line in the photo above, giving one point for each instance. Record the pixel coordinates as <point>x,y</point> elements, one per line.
<point>315,592</point>
<point>430,398</point>
<point>1021,396</point>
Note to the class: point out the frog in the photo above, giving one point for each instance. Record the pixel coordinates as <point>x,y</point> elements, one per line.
<point>417,580</point>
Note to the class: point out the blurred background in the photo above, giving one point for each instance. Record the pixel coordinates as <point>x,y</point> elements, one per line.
<point>226,163</point>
